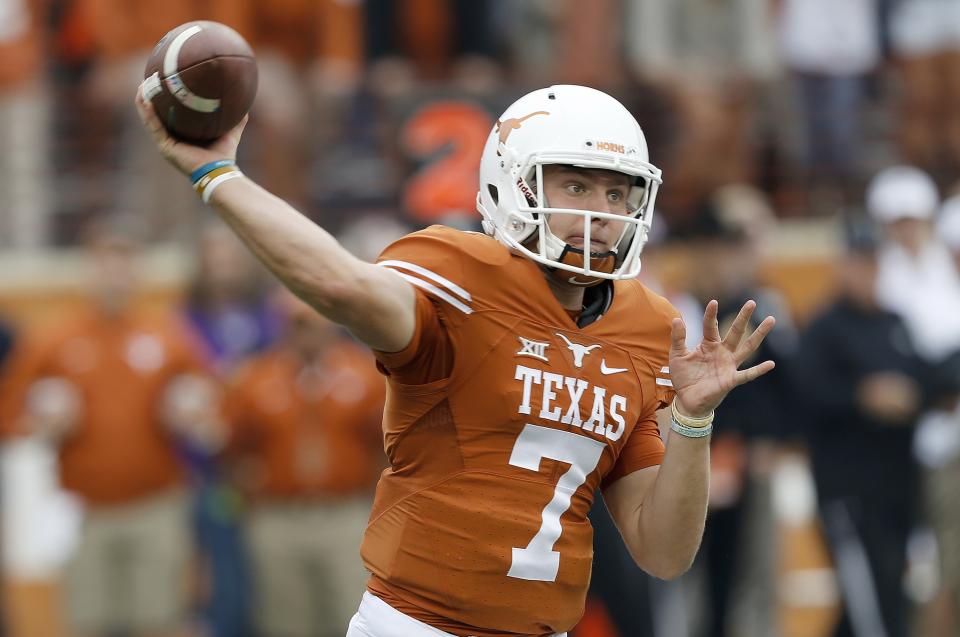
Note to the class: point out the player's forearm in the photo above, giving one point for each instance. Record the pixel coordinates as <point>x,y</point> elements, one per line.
<point>304,256</point>
<point>373,303</point>
<point>673,516</point>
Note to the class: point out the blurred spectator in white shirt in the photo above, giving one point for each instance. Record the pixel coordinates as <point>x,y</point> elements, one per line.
<point>917,278</point>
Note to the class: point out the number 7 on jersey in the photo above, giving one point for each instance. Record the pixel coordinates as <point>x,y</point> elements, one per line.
<point>538,561</point>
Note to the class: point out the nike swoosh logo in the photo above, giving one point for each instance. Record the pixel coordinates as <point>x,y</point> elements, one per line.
<point>610,370</point>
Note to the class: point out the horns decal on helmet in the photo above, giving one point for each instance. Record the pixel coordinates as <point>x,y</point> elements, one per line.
<point>507,126</point>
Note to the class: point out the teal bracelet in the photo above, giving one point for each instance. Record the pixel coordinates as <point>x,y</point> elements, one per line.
<point>198,174</point>
<point>690,432</point>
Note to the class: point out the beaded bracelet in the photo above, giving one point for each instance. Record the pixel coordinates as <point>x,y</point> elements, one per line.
<point>690,432</point>
<point>690,421</point>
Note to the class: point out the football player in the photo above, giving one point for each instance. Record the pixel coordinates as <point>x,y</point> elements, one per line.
<point>525,367</point>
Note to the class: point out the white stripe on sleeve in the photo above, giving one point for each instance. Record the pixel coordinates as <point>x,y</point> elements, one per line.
<point>427,274</point>
<point>432,289</point>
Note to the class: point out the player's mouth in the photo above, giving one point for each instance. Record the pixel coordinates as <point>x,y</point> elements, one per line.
<point>576,241</point>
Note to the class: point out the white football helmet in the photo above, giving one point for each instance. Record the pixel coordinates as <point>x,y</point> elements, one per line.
<point>576,126</point>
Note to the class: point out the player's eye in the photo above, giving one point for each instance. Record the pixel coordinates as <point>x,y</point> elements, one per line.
<point>618,197</point>
<point>575,188</point>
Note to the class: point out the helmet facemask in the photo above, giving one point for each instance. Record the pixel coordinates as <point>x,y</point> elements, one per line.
<point>543,246</point>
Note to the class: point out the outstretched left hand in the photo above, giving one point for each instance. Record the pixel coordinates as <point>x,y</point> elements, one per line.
<point>702,377</point>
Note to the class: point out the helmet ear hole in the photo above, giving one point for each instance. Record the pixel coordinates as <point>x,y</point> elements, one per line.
<point>494,194</point>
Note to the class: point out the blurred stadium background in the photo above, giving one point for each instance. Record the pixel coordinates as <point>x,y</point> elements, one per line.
<point>769,119</point>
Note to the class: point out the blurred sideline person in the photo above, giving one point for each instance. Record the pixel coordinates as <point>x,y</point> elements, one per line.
<point>937,446</point>
<point>228,308</point>
<point>306,448</point>
<point>111,389</point>
<point>227,301</point>
<point>523,373</point>
<point>916,277</point>
<point>863,391</point>
<point>737,555</point>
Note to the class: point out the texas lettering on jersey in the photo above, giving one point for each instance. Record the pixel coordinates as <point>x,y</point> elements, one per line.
<point>503,417</point>
<point>576,388</point>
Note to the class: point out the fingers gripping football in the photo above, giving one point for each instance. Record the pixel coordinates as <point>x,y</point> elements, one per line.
<point>186,157</point>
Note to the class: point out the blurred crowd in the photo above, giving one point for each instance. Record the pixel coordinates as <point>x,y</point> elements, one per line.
<point>221,454</point>
<point>366,103</point>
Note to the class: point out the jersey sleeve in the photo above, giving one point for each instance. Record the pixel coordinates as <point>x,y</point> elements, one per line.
<point>659,354</point>
<point>29,361</point>
<point>431,261</point>
<point>643,449</point>
<point>665,392</point>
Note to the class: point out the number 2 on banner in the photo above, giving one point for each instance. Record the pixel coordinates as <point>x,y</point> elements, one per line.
<point>538,561</point>
<point>449,184</point>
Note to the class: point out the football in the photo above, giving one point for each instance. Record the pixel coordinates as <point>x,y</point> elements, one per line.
<point>201,78</point>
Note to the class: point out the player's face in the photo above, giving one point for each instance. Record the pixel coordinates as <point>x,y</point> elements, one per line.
<point>910,233</point>
<point>586,189</point>
<point>858,276</point>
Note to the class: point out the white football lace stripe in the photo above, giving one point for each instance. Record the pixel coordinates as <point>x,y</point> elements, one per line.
<point>432,289</point>
<point>171,72</point>
<point>427,274</point>
<point>665,382</point>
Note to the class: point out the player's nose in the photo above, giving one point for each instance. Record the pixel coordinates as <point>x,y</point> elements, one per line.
<point>600,222</point>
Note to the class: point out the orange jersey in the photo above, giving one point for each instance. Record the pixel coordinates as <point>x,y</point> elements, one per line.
<point>502,419</point>
<point>120,449</point>
<point>308,435</point>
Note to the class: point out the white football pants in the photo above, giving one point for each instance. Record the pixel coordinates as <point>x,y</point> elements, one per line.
<point>376,618</point>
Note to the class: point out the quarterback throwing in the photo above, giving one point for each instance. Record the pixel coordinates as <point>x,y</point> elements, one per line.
<point>525,367</point>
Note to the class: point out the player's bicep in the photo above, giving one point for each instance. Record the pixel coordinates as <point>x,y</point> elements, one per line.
<point>629,483</point>
<point>625,497</point>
